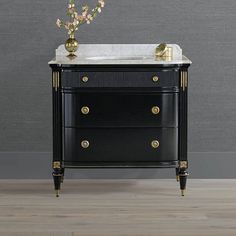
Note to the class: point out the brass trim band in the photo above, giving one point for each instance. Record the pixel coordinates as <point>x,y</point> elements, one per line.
<point>56,165</point>
<point>183,164</point>
<point>184,80</point>
<point>55,80</point>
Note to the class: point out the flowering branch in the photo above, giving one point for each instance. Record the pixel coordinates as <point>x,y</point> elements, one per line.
<point>77,19</point>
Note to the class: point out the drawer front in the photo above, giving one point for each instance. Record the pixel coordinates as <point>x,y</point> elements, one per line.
<point>166,79</point>
<point>121,145</point>
<point>120,109</point>
<point>92,79</point>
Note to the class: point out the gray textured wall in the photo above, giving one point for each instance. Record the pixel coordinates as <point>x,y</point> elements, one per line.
<point>205,29</point>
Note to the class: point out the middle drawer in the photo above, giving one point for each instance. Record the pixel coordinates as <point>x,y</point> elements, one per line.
<point>96,109</point>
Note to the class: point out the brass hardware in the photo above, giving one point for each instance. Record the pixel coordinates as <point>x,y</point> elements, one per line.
<point>54,174</point>
<point>56,165</point>
<point>155,110</point>
<point>169,52</point>
<point>155,78</point>
<point>164,52</point>
<point>160,49</point>
<point>182,192</point>
<point>183,164</point>
<point>57,193</point>
<point>155,144</point>
<point>85,79</point>
<point>184,80</point>
<point>85,144</point>
<point>55,80</point>
<point>85,110</point>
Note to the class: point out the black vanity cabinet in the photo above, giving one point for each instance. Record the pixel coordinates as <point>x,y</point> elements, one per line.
<point>120,116</point>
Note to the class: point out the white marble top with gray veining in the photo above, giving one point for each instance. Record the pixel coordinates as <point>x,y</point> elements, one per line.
<point>114,54</point>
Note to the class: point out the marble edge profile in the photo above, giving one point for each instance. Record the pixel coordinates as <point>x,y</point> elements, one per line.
<point>83,61</point>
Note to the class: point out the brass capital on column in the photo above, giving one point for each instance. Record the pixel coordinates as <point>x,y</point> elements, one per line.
<point>56,165</point>
<point>183,164</point>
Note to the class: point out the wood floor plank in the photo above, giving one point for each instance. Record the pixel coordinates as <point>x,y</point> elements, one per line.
<point>118,208</point>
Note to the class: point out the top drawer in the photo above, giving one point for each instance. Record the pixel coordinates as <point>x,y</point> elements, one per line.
<point>81,79</point>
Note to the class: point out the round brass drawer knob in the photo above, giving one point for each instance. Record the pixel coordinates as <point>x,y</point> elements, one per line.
<point>155,79</point>
<point>155,110</point>
<point>85,110</point>
<point>85,79</point>
<point>155,144</point>
<point>85,144</point>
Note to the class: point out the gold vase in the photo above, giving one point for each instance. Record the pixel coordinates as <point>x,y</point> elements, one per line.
<point>71,45</point>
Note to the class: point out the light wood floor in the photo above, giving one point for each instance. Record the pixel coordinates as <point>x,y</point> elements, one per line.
<point>118,207</point>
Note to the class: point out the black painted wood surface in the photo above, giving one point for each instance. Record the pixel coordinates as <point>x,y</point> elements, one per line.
<point>120,125</point>
<point>135,78</point>
<point>121,145</point>
<point>120,109</point>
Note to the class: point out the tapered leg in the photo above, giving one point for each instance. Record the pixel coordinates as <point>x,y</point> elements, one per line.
<point>183,130</point>
<point>183,175</point>
<point>57,183</point>
<point>57,174</point>
<point>181,171</point>
<point>57,129</point>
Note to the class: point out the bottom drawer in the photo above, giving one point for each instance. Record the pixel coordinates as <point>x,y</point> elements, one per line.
<point>121,145</point>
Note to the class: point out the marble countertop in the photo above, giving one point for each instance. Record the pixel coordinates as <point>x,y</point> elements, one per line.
<point>115,54</point>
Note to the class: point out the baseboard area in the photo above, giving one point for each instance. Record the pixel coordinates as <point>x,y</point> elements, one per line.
<point>37,165</point>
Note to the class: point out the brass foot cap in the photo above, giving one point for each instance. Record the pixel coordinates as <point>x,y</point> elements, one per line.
<point>57,193</point>
<point>182,192</point>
